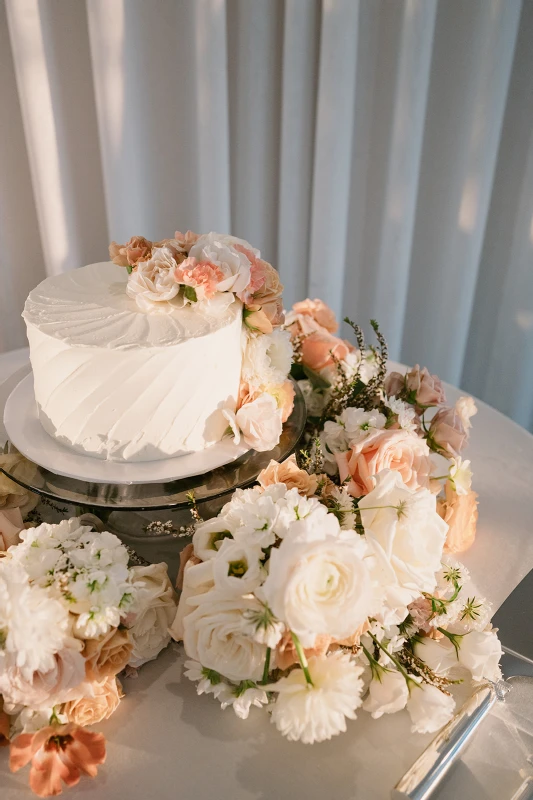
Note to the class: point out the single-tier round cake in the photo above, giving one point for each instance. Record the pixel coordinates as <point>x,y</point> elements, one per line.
<point>114,381</point>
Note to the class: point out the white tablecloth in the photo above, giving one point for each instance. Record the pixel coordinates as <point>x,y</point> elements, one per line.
<point>164,742</point>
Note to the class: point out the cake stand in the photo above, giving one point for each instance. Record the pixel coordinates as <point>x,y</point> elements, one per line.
<point>110,501</point>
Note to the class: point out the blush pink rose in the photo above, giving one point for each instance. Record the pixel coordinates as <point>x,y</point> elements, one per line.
<point>317,349</point>
<point>137,249</point>
<point>399,450</point>
<point>394,384</point>
<point>447,431</point>
<point>320,312</point>
<point>425,389</point>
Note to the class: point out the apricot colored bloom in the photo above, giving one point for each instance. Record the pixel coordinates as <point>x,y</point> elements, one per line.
<point>201,275</point>
<point>58,754</point>
<point>319,312</point>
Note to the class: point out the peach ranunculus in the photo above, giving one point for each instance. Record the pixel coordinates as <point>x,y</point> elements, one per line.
<point>202,276</point>
<point>286,654</point>
<point>460,512</point>
<point>319,312</point>
<point>447,434</point>
<point>107,656</point>
<point>318,347</point>
<point>128,255</point>
<point>398,450</point>
<point>57,753</point>
<point>94,707</point>
<point>289,473</point>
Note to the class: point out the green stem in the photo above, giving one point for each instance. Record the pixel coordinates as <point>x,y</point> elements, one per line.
<point>394,660</point>
<point>302,659</point>
<point>266,668</point>
<point>454,638</point>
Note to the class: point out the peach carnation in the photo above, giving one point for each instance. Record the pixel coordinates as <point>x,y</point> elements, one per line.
<point>398,450</point>
<point>203,276</point>
<point>289,473</point>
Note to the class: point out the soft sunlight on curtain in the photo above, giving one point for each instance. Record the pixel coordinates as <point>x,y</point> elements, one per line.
<point>379,153</point>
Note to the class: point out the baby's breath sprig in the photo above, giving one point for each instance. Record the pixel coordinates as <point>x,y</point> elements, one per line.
<point>193,507</point>
<point>417,667</point>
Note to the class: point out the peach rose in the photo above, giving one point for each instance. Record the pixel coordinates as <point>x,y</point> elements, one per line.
<point>107,656</point>
<point>424,389</point>
<point>460,512</point>
<point>320,312</point>
<point>289,473</point>
<point>447,432</point>
<point>318,347</point>
<point>398,450</point>
<point>286,654</point>
<point>93,709</point>
<point>128,255</point>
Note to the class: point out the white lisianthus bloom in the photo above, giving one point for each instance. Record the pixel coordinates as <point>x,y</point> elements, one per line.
<point>460,475</point>
<point>386,695</point>
<point>152,283</point>
<point>214,635</point>
<point>267,358</point>
<point>154,612</point>
<point>219,249</point>
<point>429,708</point>
<point>406,536</point>
<point>320,587</point>
<point>209,536</point>
<point>466,408</point>
<point>480,653</point>
<point>260,422</point>
<point>439,655</point>
<point>358,423</point>
<point>316,713</point>
<point>237,568</point>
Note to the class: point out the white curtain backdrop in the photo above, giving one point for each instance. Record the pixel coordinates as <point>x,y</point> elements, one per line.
<point>379,152</point>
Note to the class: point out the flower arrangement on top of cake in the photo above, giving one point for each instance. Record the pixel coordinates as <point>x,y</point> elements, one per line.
<point>209,269</point>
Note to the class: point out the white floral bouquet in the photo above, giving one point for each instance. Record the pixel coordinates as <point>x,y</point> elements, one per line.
<point>330,588</point>
<point>209,272</point>
<point>73,615</point>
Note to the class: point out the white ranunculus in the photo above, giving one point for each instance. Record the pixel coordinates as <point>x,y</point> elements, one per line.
<point>214,635</point>
<point>260,423</point>
<point>387,695</point>
<point>429,708</point>
<point>219,249</point>
<point>209,535</point>
<point>316,713</point>
<point>480,653</point>
<point>358,423</point>
<point>197,580</point>
<point>154,613</point>
<point>267,358</point>
<point>439,655</point>
<point>237,568</point>
<point>406,535</point>
<point>320,587</point>
<point>152,283</point>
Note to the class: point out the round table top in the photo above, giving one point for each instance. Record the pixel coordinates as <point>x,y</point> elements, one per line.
<point>165,742</point>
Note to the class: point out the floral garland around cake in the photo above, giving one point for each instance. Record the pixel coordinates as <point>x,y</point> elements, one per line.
<point>207,272</point>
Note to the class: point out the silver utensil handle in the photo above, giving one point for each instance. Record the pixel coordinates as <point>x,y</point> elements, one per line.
<point>428,770</point>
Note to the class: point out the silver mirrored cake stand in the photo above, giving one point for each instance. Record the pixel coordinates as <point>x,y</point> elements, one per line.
<point>133,511</point>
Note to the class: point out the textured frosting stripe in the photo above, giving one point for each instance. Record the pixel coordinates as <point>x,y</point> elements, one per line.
<point>89,307</point>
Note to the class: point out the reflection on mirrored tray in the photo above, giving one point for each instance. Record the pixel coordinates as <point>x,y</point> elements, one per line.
<point>170,494</point>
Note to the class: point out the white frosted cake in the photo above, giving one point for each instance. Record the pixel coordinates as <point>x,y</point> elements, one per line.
<point>119,383</point>
<point>162,351</point>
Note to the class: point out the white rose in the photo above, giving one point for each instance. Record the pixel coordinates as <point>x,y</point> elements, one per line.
<point>197,580</point>
<point>237,568</point>
<point>439,655</point>
<point>387,695</point>
<point>260,423</point>
<point>267,358</point>
<point>429,708</point>
<point>407,536</point>
<point>480,652</point>
<point>320,587</point>
<point>315,713</point>
<point>358,423</point>
<point>157,601</point>
<point>153,281</point>
<point>214,635</point>
<point>219,249</point>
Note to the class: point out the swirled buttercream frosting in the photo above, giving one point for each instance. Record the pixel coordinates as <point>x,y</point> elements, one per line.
<point>115,382</point>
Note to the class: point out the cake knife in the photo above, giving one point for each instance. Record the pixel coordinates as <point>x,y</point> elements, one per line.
<point>515,623</point>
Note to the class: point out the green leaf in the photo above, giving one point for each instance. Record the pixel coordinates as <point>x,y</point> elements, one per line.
<point>190,293</point>
<point>317,381</point>
<point>129,269</point>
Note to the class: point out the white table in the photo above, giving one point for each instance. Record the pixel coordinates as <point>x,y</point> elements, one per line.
<point>165,743</point>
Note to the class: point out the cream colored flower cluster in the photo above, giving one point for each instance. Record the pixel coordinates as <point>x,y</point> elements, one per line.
<point>313,603</point>
<point>72,616</point>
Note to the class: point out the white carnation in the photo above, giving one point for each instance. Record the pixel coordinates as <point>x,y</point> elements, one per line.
<point>315,713</point>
